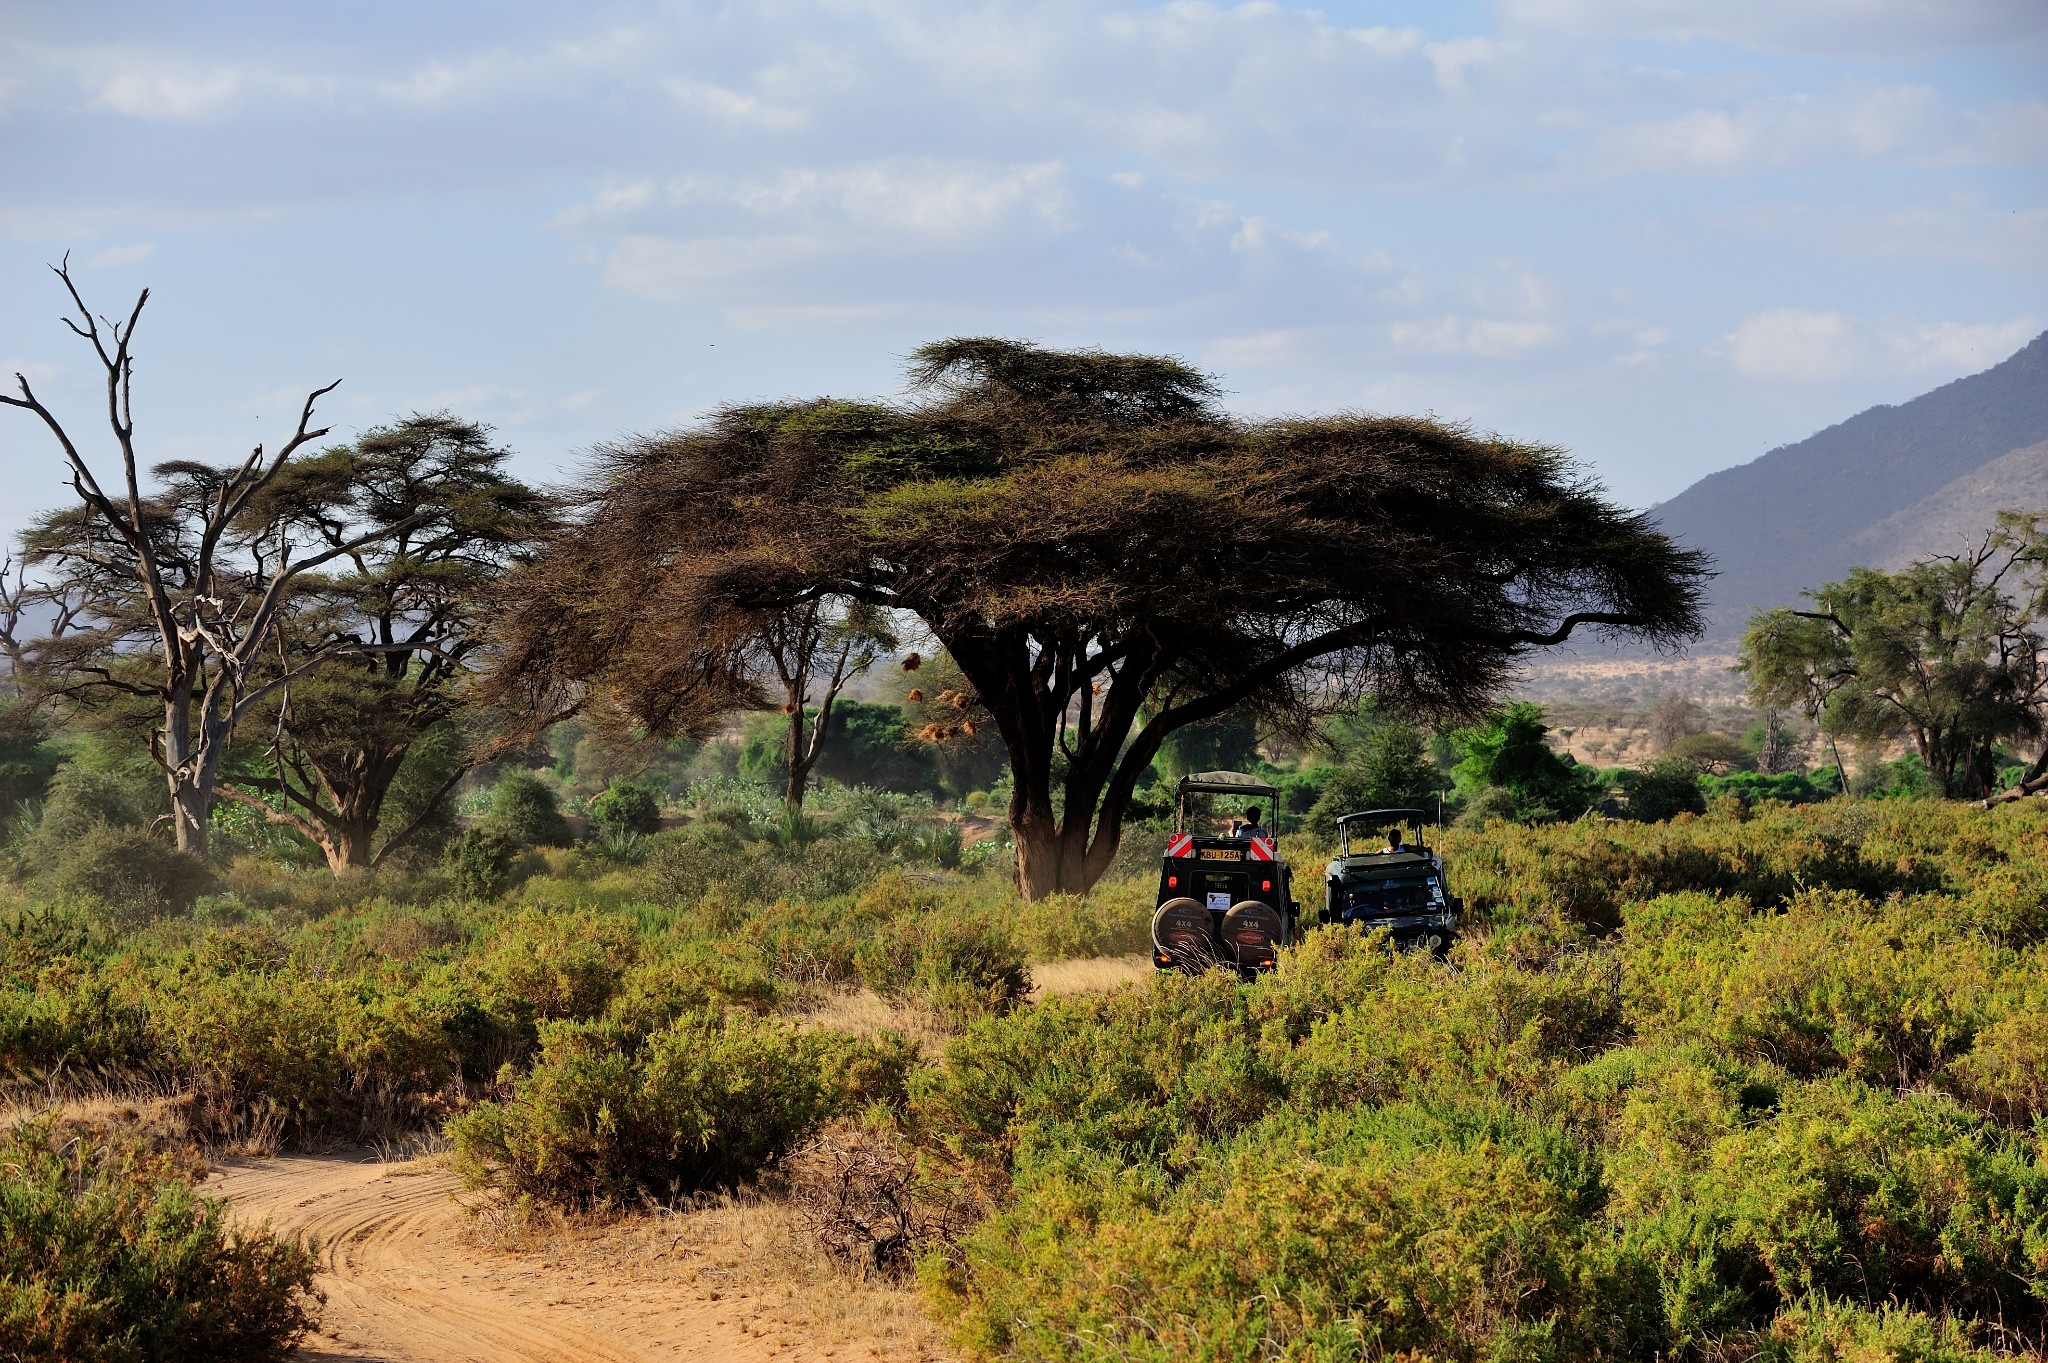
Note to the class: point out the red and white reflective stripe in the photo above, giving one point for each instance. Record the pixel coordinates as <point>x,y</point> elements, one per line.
<point>1180,844</point>
<point>1262,850</point>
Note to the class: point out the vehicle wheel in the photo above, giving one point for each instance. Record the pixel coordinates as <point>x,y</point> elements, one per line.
<point>1251,935</point>
<point>1181,933</point>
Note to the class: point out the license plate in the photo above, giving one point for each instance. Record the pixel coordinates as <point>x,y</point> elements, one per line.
<point>1221,854</point>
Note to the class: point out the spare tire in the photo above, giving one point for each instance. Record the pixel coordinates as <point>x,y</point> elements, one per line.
<point>1181,930</point>
<point>1251,934</point>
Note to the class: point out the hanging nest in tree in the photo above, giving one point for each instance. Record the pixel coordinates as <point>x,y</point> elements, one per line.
<point>789,707</point>
<point>916,696</point>
<point>912,661</point>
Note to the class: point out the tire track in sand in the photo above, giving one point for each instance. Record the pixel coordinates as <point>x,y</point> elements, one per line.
<point>403,1285</point>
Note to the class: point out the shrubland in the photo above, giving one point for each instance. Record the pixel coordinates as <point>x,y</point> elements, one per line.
<point>1756,1083</point>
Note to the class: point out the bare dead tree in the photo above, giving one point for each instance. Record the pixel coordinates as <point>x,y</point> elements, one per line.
<point>177,592</point>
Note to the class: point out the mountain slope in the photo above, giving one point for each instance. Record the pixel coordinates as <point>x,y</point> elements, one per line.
<point>1953,520</point>
<point>1805,513</point>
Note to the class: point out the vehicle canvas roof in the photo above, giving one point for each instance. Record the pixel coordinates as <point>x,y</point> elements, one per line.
<point>1390,862</point>
<point>1383,815</point>
<point>1227,783</point>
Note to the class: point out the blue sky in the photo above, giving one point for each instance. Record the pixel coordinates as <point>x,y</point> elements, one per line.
<point>1665,234</point>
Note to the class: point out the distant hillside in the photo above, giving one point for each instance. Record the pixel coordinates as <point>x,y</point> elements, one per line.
<point>1879,488</point>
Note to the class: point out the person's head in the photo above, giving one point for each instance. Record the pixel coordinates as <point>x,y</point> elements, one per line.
<point>1251,815</point>
<point>1394,836</point>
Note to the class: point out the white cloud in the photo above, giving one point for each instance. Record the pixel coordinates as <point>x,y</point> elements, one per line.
<point>1966,231</point>
<point>1882,123</point>
<point>1797,346</point>
<point>119,257</point>
<point>928,200</point>
<point>159,95</point>
<point>1956,347</point>
<point>1838,26</point>
<point>1484,338</point>
<point>1793,345</point>
<point>731,106</point>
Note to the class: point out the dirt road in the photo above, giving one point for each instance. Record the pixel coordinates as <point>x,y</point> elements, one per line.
<point>406,1283</point>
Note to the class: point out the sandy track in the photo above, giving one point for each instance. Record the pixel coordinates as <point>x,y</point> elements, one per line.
<point>405,1284</point>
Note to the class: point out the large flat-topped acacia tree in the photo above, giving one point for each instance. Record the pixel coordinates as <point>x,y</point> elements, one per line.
<point>1106,555</point>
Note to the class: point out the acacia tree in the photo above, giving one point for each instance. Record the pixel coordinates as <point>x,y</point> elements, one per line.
<point>177,592</point>
<point>1947,651</point>
<point>399,619</point>
<point>1106,557</point>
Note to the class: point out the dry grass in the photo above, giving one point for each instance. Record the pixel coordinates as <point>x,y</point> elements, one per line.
<point>753,1250</point>
<point>863,1012</point>
<point>1091,975</point>
<point>745,1251</point>
<point>162,1121</point>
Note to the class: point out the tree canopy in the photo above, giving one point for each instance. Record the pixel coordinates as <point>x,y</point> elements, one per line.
<point>413,604</point>
<point>1946,651</point>
<point>1104,553</point>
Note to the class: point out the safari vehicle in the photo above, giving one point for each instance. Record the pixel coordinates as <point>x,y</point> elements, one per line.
<point>1224,899</point>
<point>1377,884</point>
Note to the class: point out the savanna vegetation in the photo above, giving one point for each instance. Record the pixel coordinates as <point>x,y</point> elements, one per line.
<point>712,826</point>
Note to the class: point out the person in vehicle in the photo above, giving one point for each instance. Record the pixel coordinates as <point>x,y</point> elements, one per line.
<point>1394,841</point>
<point>1248,827</point>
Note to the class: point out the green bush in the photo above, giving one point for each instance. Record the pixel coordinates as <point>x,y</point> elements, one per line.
<point>1667,787</point>
<point>606,1119</point>
<point>1509,771</point>
<point>481,861</point>
<point>107,1257</point>
<point>1399,1231</point>
<point>69,1020</point>
<point>626,809</point>
<point>955,965</point>
<point>81,797</point>
<point>1824,1331</point>
<point>552,965</point>
<point>525,810</point>
<point>130,873</point>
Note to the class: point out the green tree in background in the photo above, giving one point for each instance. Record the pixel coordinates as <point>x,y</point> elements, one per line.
<point>401,618</point>
<point>1668,786</point>
<point>1385,765</point>
<point>1509,771</point>
<point>1946,651</point>
<point>1229,742</point>
<point>860,744</point>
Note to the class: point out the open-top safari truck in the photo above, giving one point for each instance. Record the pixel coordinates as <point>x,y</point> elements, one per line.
<point>1224,898</point>
<point>1381,877</point>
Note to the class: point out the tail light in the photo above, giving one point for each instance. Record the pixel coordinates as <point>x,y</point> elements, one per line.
<point>1172,882</point>
<point>1265,884</point>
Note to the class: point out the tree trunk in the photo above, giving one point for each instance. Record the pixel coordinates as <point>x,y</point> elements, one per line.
<point>184,767</point>
<point>191,807</point>
<point>798,770</point>
<point>1050,861</point>
<point>348,845</point>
